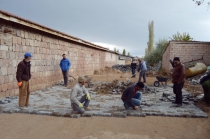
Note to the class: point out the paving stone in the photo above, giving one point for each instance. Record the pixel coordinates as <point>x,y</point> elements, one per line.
<point>44,113</point>
<point>8,111</point>
<point>75,116</point>
<point>119,114</point>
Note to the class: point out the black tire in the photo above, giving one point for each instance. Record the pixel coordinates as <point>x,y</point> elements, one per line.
<point>156,84</point>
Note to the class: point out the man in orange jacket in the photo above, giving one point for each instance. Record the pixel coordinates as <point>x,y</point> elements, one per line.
<point>23,76</point>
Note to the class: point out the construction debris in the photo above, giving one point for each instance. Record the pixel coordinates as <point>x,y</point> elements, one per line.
<point>117,87</point>
<point>127,68</point>
<point>106,70</point>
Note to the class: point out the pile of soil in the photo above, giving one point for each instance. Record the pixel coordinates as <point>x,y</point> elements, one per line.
<point>115,87</point>
<point>106,70</point>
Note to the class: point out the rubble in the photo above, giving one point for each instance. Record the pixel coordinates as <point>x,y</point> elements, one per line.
<point>127,68</point>
<point>115,87</point>
<point>123,68</point>
<point>106,70</point>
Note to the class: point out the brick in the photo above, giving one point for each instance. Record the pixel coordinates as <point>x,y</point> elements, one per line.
<point>4,48</point>
<point>2,79</point>
<point>19,40</point>
<point>18,32</point>
<point>4,87</point>
<point>23,42</point>
<point>27,42</point>
<point>26,35</point>
<point>2,54</point>
<point>22,34</point>
<point>6,79</point>
<point>4,70</point>
<point>10,86</point>
<point>11,78</point>
<point>31,42</point>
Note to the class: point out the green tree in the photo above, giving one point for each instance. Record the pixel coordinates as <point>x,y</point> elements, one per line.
<point>124,52</point>
<point>150,44</point>
<point>128,53</point>
<point>181,37</point>
<point>156,55</point>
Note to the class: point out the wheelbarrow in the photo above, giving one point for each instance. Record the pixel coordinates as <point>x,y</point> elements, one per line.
<point>161,80</point>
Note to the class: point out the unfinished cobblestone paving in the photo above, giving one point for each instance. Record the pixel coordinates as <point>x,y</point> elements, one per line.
<point>55,101</point>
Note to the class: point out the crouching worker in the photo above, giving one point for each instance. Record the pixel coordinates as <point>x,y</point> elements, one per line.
<point>80,95</point>
<point>131,96</point>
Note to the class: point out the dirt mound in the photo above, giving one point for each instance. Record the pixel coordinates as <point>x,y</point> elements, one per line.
<point>115,87</point>
<point>106,70</point>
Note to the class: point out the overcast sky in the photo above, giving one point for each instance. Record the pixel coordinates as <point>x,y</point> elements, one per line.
<point>116,23</point>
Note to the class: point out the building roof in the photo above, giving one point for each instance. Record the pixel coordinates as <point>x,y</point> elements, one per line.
<point>13,18</point>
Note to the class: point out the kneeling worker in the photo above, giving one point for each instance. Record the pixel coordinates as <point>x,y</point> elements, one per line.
<point>80,95</point>
<point>131,96</point>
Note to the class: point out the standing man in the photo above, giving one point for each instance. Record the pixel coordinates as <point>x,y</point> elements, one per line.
<point>65,65</point>
<point>142,69</point>
<point>133,67</point>
<point>131,96</point>
<point>23,76</point>
<point>80,95</point>
<point>178,76</point>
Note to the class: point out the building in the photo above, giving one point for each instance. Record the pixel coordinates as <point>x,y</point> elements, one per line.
<point>187,51</point>
<point>18,35</point>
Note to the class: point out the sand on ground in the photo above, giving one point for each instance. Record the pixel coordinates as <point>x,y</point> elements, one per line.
<point>25,126</point>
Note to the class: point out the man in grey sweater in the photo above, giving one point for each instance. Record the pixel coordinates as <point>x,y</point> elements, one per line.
<point>80,95</point>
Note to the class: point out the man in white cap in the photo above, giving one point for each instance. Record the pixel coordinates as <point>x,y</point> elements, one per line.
<point>80,95</point>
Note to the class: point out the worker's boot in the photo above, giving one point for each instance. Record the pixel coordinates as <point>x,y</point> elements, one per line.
<point>87,108</point>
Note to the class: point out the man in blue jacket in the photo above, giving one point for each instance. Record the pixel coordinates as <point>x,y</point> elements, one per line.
<point>65,65</point>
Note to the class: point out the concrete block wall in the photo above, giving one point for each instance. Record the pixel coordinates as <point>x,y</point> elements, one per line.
<point>165,59</point>
<point>47,52</point>
<point>186,51</point>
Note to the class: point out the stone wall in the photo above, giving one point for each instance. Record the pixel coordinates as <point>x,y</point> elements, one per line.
<point>47,52</point>
<point>165,60</point>
<point>186,51</point>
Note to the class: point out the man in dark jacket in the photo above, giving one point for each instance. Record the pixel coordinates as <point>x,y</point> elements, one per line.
<point>23,76</point>
<point>131,96</point>
<point>65,65</point>
<point>133,67</point>
<point>178,76</point>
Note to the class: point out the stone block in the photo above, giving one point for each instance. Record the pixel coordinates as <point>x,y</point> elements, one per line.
<point>26,34</point>
<point>27,42</point>
<point>19,40</point>
<point>4,48</point>
<point>10,86</point>
<point>6,79</point>
<point>11,79</point>
<point>23,42</point>
<point>3,70</point>
<point>4,87</point>
<point>2,55</point>
<point>75,115</point>
<point>2,79</point>
<point>22,34</point>
<point>31,42</point>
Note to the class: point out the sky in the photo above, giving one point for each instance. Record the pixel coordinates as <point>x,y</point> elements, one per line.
<point>122,24</point>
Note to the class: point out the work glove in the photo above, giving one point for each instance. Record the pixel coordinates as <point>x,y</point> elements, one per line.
<point>81,105</point>
<point>19,83</point>
<point>88,96</point>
